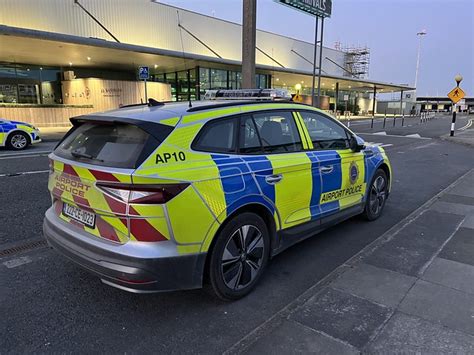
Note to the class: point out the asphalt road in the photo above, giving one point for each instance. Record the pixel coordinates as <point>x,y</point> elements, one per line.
<point>51,305</point>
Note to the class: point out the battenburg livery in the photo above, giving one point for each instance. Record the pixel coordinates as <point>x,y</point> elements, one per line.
<point>160,197</point>
<point>17,135</point>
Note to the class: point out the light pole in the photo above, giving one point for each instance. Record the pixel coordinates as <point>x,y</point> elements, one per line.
<point>420,36</point>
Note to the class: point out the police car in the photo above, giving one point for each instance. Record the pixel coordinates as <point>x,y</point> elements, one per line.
<point>163,197</point>
<point>18,135</point>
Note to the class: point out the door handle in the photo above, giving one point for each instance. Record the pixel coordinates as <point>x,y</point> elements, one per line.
<point>273,179</point>
<point>327,169</point>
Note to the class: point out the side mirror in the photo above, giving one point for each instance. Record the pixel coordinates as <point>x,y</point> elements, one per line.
<point>356,144</point>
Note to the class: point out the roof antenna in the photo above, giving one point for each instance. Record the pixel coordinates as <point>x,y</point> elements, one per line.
<point>184,60</point>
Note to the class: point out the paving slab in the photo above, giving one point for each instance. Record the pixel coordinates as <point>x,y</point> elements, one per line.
<point>454,208</point>
<point>466,188</point>
<point>453,198</point>
<point>461,247</point>
<point>440,304</point>
<point>468,222</point>
<point>405,334</point>
<point>342,316</point>
<point>451,274</point>
<point>294,338</point>
<point>416,244</point>
<point>375,284</point>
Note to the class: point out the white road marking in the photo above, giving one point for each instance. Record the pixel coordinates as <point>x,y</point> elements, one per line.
<point>17,262</point>
<point>380,144</point>
<point>415,135</point>
<point>468,125</point>
<point>390,135</point>
<point>425,145</point>
<point>25,173</point>
<point>382,133</point>
<point>24,155</point>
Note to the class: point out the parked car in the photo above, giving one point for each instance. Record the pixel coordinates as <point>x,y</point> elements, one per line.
<point>18,135</point>
<point>165,196</point>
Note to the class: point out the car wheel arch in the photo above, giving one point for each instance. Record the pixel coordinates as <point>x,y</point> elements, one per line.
<point>18,130</point>
<point>257,208</point>
<point>386,170</point>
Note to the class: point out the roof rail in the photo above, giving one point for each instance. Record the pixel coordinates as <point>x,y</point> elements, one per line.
<point>131,105</point>
<point>151,103</point>
<point>236,103</point>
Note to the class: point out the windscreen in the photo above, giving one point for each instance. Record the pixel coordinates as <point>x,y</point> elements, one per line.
<point>118,145</point>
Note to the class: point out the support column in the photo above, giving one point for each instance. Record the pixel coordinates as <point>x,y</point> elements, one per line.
<point>337,96</point>
<point>249,43</point>
<point>314,58</point>
<point>320,62</point>
<point>373,101</point>
<point>401,103</point>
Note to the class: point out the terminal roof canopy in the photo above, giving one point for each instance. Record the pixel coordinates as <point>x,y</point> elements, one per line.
<point>51,49</point>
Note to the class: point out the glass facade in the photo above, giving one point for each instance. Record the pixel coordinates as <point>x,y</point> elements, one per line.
<point>208,79</point>
<point>32,84</point>
<point>28,84</point>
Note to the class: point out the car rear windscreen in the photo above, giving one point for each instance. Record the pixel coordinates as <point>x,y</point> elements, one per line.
<point>112,144</point>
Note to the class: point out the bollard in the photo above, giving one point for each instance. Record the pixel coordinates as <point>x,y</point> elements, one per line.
<point>394,118</point>
<point>403,119</point>
<point>384,119</point>
<point>453,122</point>
<point>421,117</point>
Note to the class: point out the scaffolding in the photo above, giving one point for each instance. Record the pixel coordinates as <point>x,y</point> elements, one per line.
<point>356,60</point>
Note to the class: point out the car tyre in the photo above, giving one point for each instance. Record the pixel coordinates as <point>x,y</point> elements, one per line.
<point>376,196</point>
<point>239,256</point>
<point>18,141</point>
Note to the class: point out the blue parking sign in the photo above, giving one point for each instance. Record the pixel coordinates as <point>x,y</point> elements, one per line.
<point>143,73</point>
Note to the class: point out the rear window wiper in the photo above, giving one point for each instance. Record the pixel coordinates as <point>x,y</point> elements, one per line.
<point>77,154</point>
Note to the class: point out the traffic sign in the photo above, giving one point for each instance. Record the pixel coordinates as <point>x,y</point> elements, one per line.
<point>143,73</point>
<point>456,94</point>
<point>297,98</point>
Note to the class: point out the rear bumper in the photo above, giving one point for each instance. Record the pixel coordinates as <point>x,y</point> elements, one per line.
<point>134,266</point>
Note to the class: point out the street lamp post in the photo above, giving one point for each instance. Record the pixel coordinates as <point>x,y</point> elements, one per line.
<point>458,79</point>
<point>420,36</point>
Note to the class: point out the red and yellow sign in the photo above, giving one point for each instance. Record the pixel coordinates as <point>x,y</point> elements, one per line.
<point>456,94</point>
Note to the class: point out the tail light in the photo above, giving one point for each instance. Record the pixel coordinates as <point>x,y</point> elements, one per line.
<point>145,194</point>
<point>51,166</point>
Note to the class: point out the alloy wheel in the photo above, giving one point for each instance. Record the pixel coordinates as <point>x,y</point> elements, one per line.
<point>377,195</point>
<point>243,257</point>
<point>19,141</point>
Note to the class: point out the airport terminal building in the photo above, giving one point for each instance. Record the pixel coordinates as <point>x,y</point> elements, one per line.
<point>61,58</point>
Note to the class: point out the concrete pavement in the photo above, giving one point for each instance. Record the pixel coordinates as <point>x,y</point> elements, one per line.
<point>409,291</point>
<point>464,135</point>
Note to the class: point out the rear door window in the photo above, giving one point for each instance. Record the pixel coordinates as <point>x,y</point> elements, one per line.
<point>107,144</point>
<point>277,132</point>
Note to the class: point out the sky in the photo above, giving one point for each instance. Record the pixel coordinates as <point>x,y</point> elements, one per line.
<point>387,27</point>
